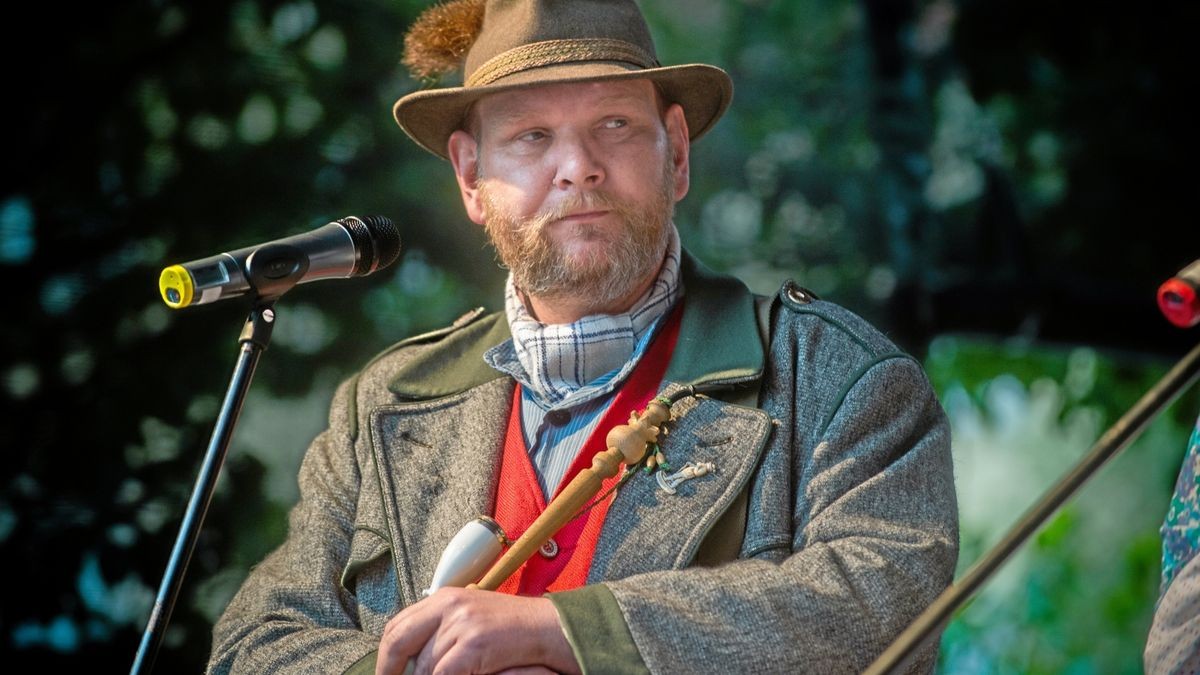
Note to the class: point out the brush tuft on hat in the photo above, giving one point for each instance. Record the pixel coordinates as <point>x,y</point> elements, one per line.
<point>439,39</point>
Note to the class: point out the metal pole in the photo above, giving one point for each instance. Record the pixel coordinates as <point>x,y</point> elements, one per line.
<point>938,614</point>
<point>256,334</point>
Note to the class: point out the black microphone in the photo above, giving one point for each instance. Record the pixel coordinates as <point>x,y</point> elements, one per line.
<point>350,247</point>
<point>1179,297</point>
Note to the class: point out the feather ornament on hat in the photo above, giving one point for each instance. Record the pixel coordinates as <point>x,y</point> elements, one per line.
<point>438,41</point>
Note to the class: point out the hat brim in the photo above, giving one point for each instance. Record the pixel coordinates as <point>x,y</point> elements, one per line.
<point>430,116</point>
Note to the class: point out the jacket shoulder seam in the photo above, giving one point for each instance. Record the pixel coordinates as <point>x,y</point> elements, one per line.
<point>857,377</point>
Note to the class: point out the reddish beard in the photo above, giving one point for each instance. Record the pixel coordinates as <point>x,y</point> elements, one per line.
<point>542,268</point>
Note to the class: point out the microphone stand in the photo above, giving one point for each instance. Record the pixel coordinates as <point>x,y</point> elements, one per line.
<point>256,335</point>
<point>1118,436</point>
<point>268,281</point>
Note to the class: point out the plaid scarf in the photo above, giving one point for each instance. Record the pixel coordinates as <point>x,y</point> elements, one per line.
<point>564,365</point>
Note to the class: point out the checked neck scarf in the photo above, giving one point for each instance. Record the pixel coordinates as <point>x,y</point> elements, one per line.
<point>564,365</point>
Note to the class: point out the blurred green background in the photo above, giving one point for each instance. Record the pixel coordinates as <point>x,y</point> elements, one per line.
<point>1000,186</point>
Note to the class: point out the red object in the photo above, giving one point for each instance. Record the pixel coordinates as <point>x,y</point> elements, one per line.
<point>519,499</point>
<point>1179,301</point>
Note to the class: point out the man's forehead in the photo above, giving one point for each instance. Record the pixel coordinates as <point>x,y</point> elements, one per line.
<point>517,103</point>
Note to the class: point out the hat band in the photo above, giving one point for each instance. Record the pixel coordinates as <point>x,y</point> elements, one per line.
<point>553,52</point>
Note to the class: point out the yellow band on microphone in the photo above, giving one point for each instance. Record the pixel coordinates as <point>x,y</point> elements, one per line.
<point>175,284</point>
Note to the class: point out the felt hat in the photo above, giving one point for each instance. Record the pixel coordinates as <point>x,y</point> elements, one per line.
<point>502,45</point>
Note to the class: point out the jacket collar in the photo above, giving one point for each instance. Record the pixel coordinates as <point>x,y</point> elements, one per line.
<point>718,343</point>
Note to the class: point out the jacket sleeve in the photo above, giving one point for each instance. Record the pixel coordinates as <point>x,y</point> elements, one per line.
<point>1173,645</point>
<point>293,613</point>
<point>874,540</point>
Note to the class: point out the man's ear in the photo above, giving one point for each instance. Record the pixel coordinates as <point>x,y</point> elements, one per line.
<point>464,156</point>
<point>677,132</point>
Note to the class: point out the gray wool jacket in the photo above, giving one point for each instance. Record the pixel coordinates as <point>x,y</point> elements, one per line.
<point>842,474</point>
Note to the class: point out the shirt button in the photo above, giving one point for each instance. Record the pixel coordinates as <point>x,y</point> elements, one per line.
<point>558,417</point>
<point>549,549</point>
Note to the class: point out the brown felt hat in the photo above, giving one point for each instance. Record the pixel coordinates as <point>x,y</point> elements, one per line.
<point>515,44</point>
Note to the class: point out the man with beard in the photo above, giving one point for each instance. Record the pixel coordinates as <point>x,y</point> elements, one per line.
<point>818,517</point>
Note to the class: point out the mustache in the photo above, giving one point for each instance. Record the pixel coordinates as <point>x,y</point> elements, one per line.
<point>575,203</point>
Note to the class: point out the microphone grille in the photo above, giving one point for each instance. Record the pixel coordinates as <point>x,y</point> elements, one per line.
<point>377,240</point>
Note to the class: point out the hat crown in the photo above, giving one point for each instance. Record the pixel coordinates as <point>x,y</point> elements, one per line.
<point>512,24</point>
<point>508,45</point>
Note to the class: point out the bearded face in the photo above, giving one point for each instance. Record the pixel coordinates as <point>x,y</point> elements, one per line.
<point>575,184</point>
<point>615,262</point>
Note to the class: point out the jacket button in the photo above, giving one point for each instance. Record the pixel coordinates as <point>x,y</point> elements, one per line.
<point>549,549</point>
<point>798,294</point>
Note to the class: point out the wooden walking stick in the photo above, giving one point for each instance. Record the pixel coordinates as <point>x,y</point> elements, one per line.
<point>628,443</point>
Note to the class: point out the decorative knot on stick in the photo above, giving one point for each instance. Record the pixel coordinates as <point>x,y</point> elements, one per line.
<point>638,440</point>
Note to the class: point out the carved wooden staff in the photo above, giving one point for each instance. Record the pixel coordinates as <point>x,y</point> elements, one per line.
<point>627,443</point>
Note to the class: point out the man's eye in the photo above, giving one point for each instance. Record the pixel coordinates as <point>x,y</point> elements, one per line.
<point>532,136</point>
<point>616,123</point>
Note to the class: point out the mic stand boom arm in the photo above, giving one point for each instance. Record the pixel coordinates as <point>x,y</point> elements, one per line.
<point>1118,436</point>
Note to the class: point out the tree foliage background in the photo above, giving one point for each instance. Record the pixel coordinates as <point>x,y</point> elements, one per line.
<point>999,185</point>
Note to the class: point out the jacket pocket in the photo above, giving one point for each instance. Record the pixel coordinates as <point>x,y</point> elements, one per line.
<point>370,576</point>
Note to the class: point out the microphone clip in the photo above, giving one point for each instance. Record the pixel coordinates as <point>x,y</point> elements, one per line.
<point>274,269</point>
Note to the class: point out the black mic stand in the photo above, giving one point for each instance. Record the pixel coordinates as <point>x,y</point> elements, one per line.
<point>897,656</point>
<point>269,284</point>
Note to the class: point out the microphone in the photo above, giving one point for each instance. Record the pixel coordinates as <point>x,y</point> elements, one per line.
<point>1179,297</point>
<point>350,247</point>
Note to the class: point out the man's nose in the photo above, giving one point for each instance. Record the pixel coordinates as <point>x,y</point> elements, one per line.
<point>578,164</point>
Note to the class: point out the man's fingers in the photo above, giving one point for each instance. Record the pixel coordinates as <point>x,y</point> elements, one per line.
<point>404,636</point>
<point>428,660</point>
<point>461,657</point>
<point>465,631</point>
<point>456,635</point>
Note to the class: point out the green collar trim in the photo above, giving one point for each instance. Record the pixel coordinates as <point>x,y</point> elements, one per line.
<point>718,334</point>
<point>718,343</point>
<point>455,364</point>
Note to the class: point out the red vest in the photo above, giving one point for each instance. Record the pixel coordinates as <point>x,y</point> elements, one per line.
<point>519,499</point>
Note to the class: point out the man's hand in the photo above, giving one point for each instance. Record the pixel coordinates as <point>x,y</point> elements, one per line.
<point>470,631</point>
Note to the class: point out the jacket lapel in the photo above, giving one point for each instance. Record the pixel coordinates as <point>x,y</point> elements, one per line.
<point>437,462</point>
<point>649,529</point>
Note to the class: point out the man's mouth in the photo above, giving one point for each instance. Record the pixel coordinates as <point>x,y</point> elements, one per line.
<point>582,216</point>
